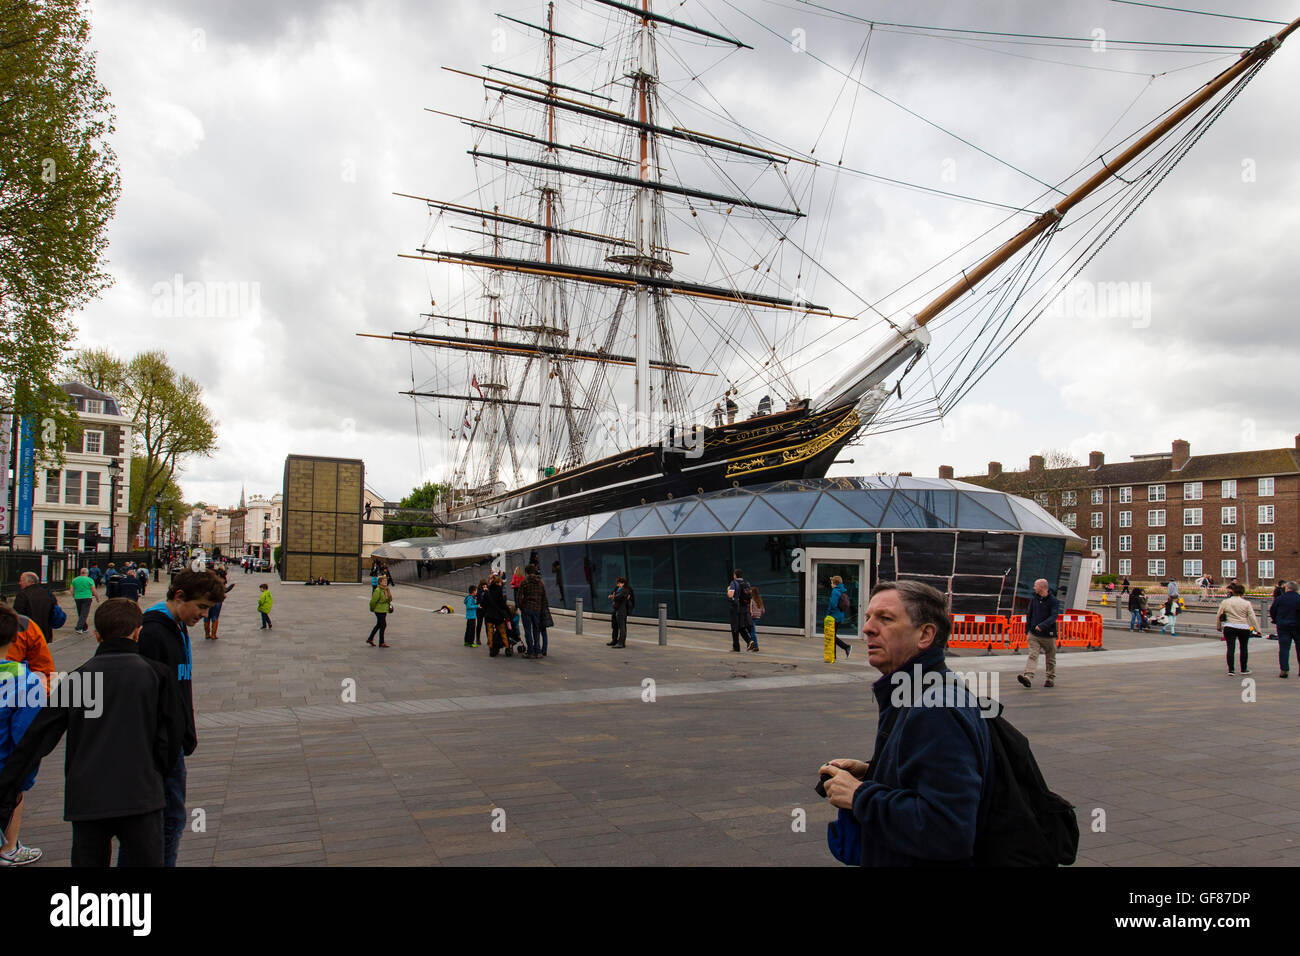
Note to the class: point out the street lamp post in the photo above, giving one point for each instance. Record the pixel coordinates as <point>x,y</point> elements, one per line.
<point>114,473</point>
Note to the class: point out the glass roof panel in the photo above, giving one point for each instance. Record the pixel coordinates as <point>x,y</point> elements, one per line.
<point>973,516</point>
<point>941,504</point>
<point>607,529</point>
<point>649,527</point>
<point>630,517</point>
<point>903,512</point>
<point>673,513</point>
<point>763,517</point>
<point>728,508</point>
<point>795,506</point>
<point>869,505</point>
<point>700,521</point>
<point>830,514</point>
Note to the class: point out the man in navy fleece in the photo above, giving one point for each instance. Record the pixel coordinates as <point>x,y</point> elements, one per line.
<point>922,795</point>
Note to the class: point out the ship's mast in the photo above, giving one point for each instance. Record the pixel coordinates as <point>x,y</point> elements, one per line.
<point>547,312</point>
<point>643,84</point>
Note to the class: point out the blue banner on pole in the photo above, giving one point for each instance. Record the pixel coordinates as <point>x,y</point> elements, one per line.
<point>26,477</point>
<point>153,526</point>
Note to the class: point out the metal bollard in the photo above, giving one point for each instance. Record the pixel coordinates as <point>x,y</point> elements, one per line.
<point>1119,615</point>
<point>663,625</point>
<point>577,616</point>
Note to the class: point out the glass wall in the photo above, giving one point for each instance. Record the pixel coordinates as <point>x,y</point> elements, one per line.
<point>703,569</point>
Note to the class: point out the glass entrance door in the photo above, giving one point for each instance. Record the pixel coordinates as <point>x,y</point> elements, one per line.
<point>852,574</point>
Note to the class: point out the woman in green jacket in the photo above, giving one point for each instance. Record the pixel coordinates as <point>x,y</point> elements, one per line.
<point>381,603</point>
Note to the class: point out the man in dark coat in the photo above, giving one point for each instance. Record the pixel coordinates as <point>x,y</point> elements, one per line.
<point>920,799</point>
<point>35,602</point>
<point>1040,628</point>
<point>1285,613</point>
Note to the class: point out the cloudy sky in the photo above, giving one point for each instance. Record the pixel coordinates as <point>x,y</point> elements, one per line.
<point>260,144</point>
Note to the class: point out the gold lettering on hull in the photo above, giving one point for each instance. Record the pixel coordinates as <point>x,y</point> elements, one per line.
<point>782,457</point>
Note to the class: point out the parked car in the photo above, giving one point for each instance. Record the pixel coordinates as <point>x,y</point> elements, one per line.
<point>261,564</point>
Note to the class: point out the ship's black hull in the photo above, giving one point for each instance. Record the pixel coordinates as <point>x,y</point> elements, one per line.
<point>789,445</point>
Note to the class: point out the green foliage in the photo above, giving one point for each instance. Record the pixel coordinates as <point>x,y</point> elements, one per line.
<point>170,417</point>
<point>171,496</point>
<point>423,498</point>
<point>1101,580</point>
<point>59,186</point>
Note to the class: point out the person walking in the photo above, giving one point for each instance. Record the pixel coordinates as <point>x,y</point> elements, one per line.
<point>1040,628</point>
<point>493,607</point>
<point>739,594</point>
<point>381,604</point>
<point>839,606</point>
<point>264,603</point>
<point>1135,605</point>
<point>530,596</point>
<point>756,610</point>
<point>1285,615</point>
<point>34,601</point>
<point>480,596</point>
<point>1125,588</point>
<point>1238,622</point>
<point>516,581</point>
<point>621,602</point>
<point>83,596</point>
<point>212,621</point>
<point>1171,610</point>
<point>471,615</point>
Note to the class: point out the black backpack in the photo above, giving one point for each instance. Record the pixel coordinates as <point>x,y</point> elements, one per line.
<point>743,595</point>
<point>1026,824</point>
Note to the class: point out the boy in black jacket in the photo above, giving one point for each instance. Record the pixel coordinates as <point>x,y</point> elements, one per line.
<point>165,638</point>
<point>122,739</point>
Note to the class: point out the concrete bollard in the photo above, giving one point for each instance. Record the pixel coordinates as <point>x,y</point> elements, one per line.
<point>577,616</point>
<point>663,625</point>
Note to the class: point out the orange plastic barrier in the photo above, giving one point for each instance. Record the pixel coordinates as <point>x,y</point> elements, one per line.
<point>1017,637</point>
<point>981,631</point>
<point>1076,628</point>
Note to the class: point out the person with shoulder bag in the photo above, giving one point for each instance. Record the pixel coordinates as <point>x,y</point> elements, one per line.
<point>381,605</point>
<point>1237,620</point>
<point>755,612</point>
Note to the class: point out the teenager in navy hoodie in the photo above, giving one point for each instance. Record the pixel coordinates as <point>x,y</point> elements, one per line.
<point>165,638</point>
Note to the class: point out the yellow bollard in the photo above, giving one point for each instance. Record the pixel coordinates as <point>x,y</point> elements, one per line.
<point>1104,602</point>
<point>828,630</point>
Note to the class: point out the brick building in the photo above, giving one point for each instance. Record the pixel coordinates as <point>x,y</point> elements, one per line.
<point>1174,514</point>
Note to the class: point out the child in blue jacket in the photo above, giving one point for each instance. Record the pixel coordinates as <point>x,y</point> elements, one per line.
<point>21,697</point>
<point>471,615</point>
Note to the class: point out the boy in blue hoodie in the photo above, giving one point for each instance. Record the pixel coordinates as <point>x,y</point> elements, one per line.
<point>21,692</point>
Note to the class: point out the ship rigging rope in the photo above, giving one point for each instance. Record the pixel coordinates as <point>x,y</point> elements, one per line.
<point>1203,13</point>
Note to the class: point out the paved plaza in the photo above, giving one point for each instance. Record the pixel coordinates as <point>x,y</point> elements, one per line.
<point>440,739</point>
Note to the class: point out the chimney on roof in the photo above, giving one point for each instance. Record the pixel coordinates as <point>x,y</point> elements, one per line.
<point>1095,460</point>
<point>904,474</point>
<point>1297,442</point>
<point>1182,452</point>
<point>1036,464</point>
<point>945,471</point>
<point>995,469</point>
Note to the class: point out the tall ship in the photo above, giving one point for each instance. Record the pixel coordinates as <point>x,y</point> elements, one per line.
<point>625,316</point>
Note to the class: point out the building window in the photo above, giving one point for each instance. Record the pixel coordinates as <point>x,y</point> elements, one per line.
<point>1126,542</point>
<point>51,536</point>
<point>1069,498</point>
<point>1266,570</point>
<point>1095,542</point>
<point>1156,518</point>
<point>1125,495</point>
<point>1156,567</point>
<point>72,490</point>
<point>1228,488</point>
<point>1266,490</point>
<point>1071,520</point>
<point>1126,519</point>
<point>1192,542</point>
<point>1192,491</point>
<point>1155,492</point>
<point>92,489</point>
<point>1228,515</point>
<point>72,536</point>
<point>95,406</point>
<point>1155,542</point>
<point>1040,499</point>
<point>1228,542</point>
<point>92,443</point>
<point>92,530</point>
<point>1126,566</point>
<point>1265,514</point>
<point>1191,517</point>
<point>1227,569</point>
<point>1192,568</point>
<point>1096,519</point>
<point>52,479</point>
<point>1266,541</point>
<point>1097,496</point>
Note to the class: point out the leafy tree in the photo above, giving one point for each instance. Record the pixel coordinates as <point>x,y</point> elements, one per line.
<point>423,498</point>
<point>171,497</point>
<point>59,187</point>
<point>171,420</point>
